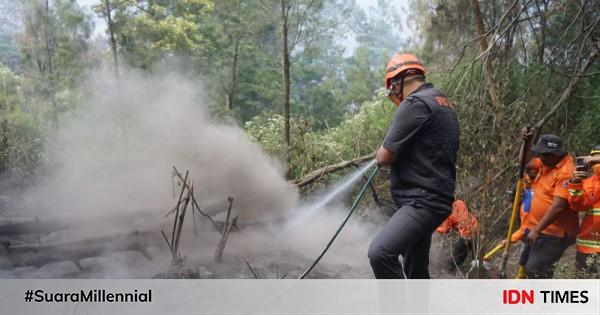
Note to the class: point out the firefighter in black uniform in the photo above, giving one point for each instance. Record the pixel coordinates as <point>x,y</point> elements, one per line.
<point>421,147</point>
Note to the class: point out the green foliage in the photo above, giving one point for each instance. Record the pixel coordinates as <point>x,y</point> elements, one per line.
<point>149,31</point>
<point>9,54</point>
<point>586,110</point>
<point>21,139</point>
<point>53,45</point>
<point>358,134</point>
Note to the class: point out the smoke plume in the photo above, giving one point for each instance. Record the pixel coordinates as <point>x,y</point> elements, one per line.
<point>114,155</point>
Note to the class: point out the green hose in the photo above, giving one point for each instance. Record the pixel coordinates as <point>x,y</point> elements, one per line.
<point>354,205</point>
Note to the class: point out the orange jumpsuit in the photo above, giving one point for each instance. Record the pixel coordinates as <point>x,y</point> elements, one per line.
<point>585,197</point>
<point>466,224</point>
<point>460,220</point>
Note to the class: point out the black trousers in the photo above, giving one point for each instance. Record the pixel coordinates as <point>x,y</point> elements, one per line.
<point>543,254</point>
<point>525,253</point>
<point>401,249</point>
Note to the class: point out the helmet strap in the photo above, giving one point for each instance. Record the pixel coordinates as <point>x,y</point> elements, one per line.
<point>403,81</point>
<point>402,88</point>
<point>392,91</point>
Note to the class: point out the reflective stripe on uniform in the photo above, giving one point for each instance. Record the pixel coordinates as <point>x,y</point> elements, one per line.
<point>594,211</point>
<point>575,192</point>
<point>588,243</point>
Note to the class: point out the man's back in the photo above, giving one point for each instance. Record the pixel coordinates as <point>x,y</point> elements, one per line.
<point>425,135</point>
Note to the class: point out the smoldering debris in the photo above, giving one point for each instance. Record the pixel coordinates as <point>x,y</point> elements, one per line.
<point>115,157</point>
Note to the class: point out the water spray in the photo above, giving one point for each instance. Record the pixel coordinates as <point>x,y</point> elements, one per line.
<point>359,197</point>
<point>346,184</point>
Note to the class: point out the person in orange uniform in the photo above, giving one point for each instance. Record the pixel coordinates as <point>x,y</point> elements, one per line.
<point>552,226</point>
<point>584,196</point>
<point>466,225</point>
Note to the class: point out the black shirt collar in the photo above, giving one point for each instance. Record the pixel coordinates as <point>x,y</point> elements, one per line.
<point>426,85</point>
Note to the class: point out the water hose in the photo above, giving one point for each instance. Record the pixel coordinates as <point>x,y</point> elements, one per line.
<point>360,196</point>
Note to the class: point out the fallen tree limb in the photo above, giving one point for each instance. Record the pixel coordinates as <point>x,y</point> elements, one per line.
<point>44,225</point>
<point>39,255</point>
<point>318,173</point>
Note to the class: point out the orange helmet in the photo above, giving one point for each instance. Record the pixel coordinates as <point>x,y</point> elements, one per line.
<point>398,65</point>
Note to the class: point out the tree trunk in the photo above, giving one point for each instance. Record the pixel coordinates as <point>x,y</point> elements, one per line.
<point>49,46</point>
<point>234,66</point>
<point>542,44</point>
<point>483,46</point>
<point>285,64</point>
<point>113,41</point>
<point>50,42</point>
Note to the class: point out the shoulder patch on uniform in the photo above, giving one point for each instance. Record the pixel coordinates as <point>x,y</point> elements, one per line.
<point>442,101</point>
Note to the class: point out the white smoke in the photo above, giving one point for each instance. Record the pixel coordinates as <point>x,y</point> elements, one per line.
<point>118,150</point>
<point>114,156</point>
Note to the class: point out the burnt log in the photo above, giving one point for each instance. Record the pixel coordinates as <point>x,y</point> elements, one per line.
<point>45,225</point>
<point>39,255</point>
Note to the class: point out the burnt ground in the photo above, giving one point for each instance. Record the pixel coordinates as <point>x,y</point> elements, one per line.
<point>266,264</point>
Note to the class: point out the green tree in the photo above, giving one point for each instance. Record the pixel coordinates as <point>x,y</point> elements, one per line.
<point>9,24</point>
<point>150,30</point>
<point>53,44</point>
<point>21,140</point>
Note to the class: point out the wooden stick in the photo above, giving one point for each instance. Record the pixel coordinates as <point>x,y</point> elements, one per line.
<point>226,226</point>
<point>174,208</point>
<point>254,273</point>
<point>194,214</point>
<point>180,227</point>
<point>178,203</point>
<point>167,240</point>
<point>221,246</point>
<point>195,203</point>
<point>224,233</point>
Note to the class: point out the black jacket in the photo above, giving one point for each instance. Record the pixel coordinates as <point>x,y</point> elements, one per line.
<point>425,137</point>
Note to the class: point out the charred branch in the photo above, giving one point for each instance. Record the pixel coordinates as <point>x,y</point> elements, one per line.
<point>318,173</point>
<point>194,202</point>
<point>225,234</point>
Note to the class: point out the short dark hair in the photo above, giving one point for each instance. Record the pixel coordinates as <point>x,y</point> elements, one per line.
<point>420,77</point>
